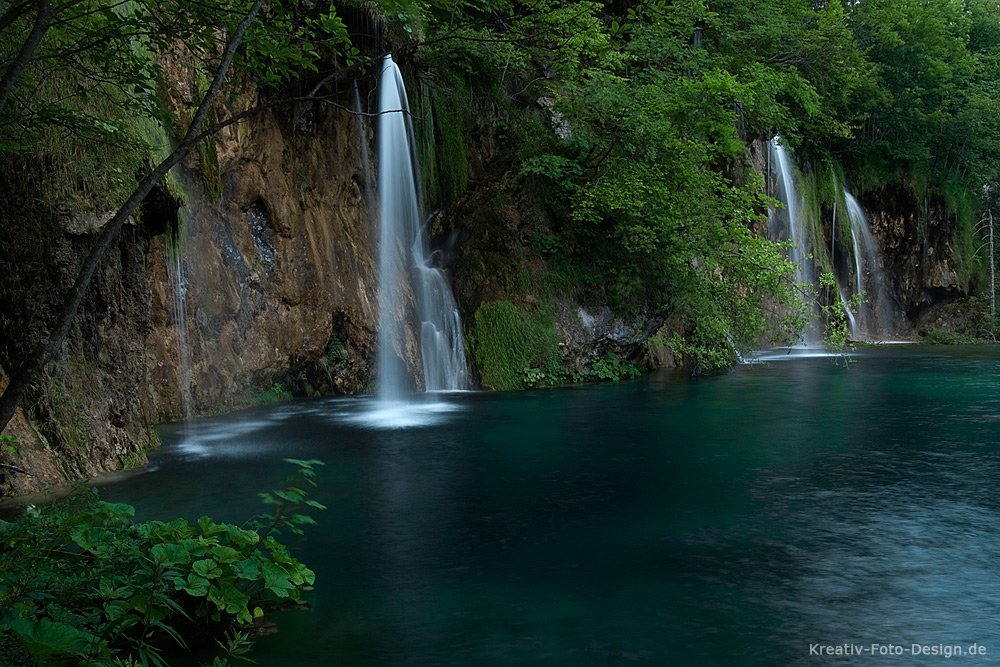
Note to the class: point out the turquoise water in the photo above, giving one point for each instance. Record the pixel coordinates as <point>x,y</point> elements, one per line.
<point>737,519</point>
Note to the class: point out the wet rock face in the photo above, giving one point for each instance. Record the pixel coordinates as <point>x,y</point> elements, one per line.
<point>485,248</point>
<point>917,241</point>
<point>85,413</point>
<point>279,276</point>
<point>585,335</point>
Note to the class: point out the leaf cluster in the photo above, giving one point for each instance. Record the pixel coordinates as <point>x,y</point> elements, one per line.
<point>81,582</point>
<point>101,63</point>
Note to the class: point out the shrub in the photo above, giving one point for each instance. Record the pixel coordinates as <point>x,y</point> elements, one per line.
<point>81,583</point>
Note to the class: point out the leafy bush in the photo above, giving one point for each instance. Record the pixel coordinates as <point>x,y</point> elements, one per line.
<point>81,583</point>
<point>610,368</point>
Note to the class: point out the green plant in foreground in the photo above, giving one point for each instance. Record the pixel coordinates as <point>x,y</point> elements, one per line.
<point>80,583</point>
<point>837,335</point>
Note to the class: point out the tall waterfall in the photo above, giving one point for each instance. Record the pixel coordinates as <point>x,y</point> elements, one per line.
<point>791,222</point>
<point>405,260</point>
<point>878,316</point>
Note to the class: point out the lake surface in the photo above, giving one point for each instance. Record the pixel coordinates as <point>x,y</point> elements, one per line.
<point>753,517</point>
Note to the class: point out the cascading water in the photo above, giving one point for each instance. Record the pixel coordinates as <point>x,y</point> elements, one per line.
<point>851,320</point>
<point>878,315</point>
<point>404,257</point>
<point>791,221</point>
<point>175,272</point>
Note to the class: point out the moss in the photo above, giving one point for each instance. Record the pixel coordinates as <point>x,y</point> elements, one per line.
<point>444,123</point>
<point>961,204</point>
<point>951,338</point>
<point>818,192</point>
<point>509,339</point>
<point>208,168</point>
<point>132,459</point>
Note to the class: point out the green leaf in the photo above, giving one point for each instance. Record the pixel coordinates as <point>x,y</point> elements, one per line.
<point>226,554</point>
<point>45,637</point>
<point>207,568</point>
<point>208,526</point>
<point>196,585</point>
<point>172,553</point>
<point>246,569</point>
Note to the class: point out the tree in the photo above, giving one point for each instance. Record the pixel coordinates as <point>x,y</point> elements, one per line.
<point>642,122</point>
<point>272,54</point>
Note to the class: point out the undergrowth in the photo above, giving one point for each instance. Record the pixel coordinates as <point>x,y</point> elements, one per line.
<point>81,583</point>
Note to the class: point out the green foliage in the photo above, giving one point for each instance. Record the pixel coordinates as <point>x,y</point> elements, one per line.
<point>645,221</point>
<point>336,354</point>
<point>609,368</point>
<point>7,443</point>
<point>951,338</point>
<point>278,393</point>
<point>89,107</point>
<point>536,377</point>
<point>642,111</point>
<point>508,339</point>
<point>443,123</point>
<point>837,335</point>
<point>81,583</point>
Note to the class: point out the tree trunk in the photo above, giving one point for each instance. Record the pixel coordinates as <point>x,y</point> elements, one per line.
<point>47,348</point>
<point>42,22</point>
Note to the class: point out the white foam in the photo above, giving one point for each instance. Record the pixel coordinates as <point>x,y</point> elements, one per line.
<point>793,352</point>
<point>400,414</point>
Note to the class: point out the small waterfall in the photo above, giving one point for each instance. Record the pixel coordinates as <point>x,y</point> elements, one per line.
<point>878,316</point>
<point>175,272</point>
<point>791,222</point>
<point>851,320</point>
<point>368,178</point>
<point>404,255</point>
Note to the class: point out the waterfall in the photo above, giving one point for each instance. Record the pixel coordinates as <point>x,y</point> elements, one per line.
<point>850,316</point>
<point>175,272</point>
<point>792,223</point>
<point>878,316</point>
<point>405,260</point>
<point>185,374</point>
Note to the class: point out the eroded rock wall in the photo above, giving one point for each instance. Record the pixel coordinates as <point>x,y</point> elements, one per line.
<point>920,241</point>
<point>278,273</point>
